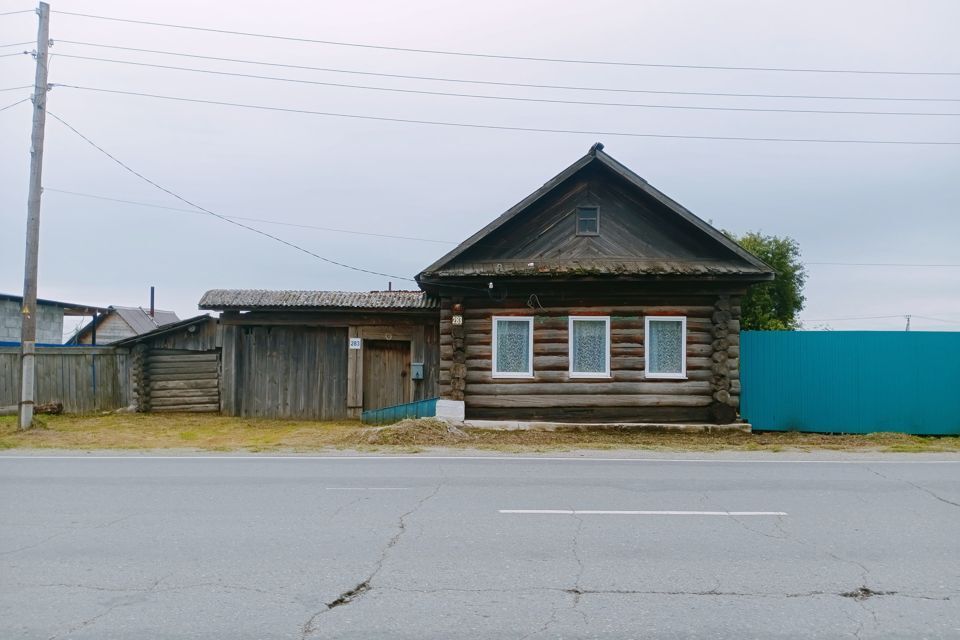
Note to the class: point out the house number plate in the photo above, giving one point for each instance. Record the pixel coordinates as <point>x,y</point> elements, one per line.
<point>457,320</point>
<point>355,343</point>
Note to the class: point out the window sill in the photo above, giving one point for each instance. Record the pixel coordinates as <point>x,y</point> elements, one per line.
<point>513,376</point>
<point>589,376</point>
<point>665,376</point>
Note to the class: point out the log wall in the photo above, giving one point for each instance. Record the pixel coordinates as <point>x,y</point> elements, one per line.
<point>710,392</point>
<point>178,380</point>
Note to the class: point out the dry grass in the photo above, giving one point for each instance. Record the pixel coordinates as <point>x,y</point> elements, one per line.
<point>218,433</point>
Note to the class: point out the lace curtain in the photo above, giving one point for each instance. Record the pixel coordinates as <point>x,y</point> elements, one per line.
<point>665,346</point>
<point>589,346</point>
<point>513,346</point>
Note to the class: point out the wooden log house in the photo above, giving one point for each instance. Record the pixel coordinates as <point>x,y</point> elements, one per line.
<point>595,299</point>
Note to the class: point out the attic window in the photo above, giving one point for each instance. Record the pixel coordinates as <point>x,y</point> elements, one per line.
<point>588,221</point>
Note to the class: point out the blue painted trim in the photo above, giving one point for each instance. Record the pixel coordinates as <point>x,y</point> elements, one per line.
<point>396,413</point>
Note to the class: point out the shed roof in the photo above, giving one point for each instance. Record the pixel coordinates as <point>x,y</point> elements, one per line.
<point>165,329</point>
<point>69,308</point>
<point>236,299</point>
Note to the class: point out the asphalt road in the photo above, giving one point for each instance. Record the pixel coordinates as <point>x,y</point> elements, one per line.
<point>263,547</point>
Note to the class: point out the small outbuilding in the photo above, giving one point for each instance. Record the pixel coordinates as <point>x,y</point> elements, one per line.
<point>325,354</point>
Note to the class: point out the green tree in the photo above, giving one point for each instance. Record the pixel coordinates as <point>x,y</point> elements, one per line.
<point>776,305</point>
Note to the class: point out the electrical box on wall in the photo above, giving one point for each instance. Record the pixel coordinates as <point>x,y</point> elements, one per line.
<point>416,371</point>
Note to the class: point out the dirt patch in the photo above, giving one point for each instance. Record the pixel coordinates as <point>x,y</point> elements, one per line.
<point>221,433</point>
<point>429,432</point>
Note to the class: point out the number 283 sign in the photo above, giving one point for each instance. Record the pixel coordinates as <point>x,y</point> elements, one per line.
<point>356,343</point>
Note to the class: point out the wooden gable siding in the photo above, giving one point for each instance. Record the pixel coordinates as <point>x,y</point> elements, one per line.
<point>109,329</point>
<point>712,363</point>
<point>204,337</point>
<point>632,226</point>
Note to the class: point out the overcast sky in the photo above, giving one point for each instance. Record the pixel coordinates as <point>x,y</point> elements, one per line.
<point>842,202</point>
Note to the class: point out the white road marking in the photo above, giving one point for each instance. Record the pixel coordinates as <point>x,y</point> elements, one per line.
<point>591,512</point>
<point>367,488</point>
<point>478,458</point>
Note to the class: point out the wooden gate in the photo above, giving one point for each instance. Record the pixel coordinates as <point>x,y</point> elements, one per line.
<point>386,373</point>
<point>182,380</point>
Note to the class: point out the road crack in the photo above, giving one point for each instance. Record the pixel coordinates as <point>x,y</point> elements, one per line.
<point>311,626</point>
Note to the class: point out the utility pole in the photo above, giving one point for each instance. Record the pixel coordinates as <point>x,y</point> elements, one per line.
<point>28,328</point>
<point>908,322</point>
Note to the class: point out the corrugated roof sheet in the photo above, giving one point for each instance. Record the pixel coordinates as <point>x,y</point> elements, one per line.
<point>140,321</point>
<point>217,299</point>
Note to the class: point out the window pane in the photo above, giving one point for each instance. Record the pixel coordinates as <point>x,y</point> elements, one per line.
<point>665,345</point>
<point>589,346</point>
<point>513,346</point>
<point>587,226</point>
<point>588,220</point>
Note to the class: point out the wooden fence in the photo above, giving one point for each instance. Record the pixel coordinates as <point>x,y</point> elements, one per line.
<point>83,379</point>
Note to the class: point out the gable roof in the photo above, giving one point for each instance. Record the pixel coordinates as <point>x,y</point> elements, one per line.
<point>240,299</point>
<point>137,318</point>
<point>140,321</point>
<point>740,263</point>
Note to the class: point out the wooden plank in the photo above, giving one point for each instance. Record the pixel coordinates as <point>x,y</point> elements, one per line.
<point>354,373</point>
<point>595,387</point>
<point>190,408</point>
<point>184,384</point>
<point>210,375</point>
<point>182,358</point>
<point>651,400</point>
<point>157,403</point>
<point>178,393</point>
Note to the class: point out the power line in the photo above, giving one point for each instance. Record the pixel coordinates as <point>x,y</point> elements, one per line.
<point>503,83</point>
<point>898,316</point>
<point>414,238</point>
<point>501,56</point>
<point>14,104</point>
<point>504,127</point>
<point>10,13</point>
<point>506,98</point>
<point>881,264</point>
<point>26,86</point>
<point>10,55</point>
<point>277,222</point>
<point>129,169</point>
<point>16,44</point>
<point>857,318</point>
<point>937,319</point>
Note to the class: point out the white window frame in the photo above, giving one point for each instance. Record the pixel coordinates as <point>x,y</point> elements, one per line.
<point>683,348</point>
<point>587,374</point>
<point>493,340</point>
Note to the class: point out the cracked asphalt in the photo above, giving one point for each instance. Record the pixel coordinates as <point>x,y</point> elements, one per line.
<point>416,547</point>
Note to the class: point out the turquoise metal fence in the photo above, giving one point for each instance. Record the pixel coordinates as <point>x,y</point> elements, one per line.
<point>389,415</point>
<point>851,381</point>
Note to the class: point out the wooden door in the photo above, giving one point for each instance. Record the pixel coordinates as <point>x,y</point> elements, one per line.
<point>386,373</point>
